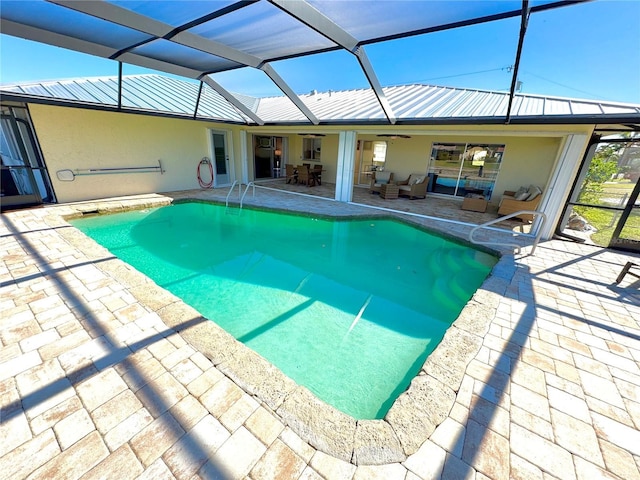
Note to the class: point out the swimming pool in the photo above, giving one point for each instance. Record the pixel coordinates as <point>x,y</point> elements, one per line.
<point>350,309</point>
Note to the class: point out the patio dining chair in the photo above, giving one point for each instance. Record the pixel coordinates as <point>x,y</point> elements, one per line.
<point>317,173</point>
<point>305,176</point>
<point>292,174</point>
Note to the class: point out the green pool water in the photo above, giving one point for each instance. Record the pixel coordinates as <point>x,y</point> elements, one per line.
<point>350,309</point>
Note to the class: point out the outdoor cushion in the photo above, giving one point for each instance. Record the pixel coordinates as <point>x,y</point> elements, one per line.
<point>533,192</point>
<point>521,195</point>
<point>415,179</point>
<point>382,177</point>
<point>520,191</point>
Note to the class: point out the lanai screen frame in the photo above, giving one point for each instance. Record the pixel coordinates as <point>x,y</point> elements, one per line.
<point>190,48</point>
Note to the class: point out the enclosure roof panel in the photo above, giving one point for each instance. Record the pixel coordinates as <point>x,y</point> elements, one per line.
<point>265,29</point>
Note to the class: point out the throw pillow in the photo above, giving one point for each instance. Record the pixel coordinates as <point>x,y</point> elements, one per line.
<point>522,196</point>
<point>534,194</point>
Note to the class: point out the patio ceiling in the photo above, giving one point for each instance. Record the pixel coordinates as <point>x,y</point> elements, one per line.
<point>196,39</point>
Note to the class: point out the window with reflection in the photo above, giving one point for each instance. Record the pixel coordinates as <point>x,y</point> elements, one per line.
<point>462,168</point>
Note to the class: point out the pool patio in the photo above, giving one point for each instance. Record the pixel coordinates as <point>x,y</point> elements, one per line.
<point>100,378</point>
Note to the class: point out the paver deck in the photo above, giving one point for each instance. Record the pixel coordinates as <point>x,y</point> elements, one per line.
<point>94,384</point>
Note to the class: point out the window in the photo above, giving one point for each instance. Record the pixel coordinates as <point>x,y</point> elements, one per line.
<point>311,148</point>
<point>379,152</point>
<point>462,168</point>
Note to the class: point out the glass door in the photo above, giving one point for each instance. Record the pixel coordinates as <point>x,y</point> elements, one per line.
<point>24,179</point>
<point>269,156</point>
<point>461,169</point>
<point>220,158</point>
<point>603,208</point>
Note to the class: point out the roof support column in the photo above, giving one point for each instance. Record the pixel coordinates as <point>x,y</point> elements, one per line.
<point>195,109</point>
<point>345,166</point>
<point>524,21</point>
<point>244,157</point>
<point>119,85</point>
<point>561,182</point>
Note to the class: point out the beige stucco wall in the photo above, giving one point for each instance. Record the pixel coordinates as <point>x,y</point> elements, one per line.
<point>74,138</point>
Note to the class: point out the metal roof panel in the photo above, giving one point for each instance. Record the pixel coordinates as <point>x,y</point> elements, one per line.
<point>409,102</point>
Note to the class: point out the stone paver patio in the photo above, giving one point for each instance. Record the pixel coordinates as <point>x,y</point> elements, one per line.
<point>105,375</point>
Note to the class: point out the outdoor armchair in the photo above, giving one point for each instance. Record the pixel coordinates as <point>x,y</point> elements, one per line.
<point>523,199</point>
<point>378,179</point>
<point>413,187</point>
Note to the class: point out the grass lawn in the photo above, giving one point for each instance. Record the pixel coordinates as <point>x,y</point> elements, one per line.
<point>605,221</point>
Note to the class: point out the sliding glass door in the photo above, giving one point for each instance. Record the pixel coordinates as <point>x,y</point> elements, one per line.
<point>24,178</point>
<point>462,168</point>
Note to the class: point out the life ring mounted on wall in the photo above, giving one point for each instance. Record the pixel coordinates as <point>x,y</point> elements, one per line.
<point>203,184</point>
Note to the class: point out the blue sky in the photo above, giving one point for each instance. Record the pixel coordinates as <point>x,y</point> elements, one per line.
<point>587,51</point>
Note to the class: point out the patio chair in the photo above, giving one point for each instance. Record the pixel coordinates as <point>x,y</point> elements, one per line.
<point>291,174</point>
<point>305,176</point>
<point>413,187</point>
<point>626,270</point>
<point>317,173</point>
<point>378,179</point>
<point>523,199</point>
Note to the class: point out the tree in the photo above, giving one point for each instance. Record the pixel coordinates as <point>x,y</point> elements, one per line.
<point>604,165</point>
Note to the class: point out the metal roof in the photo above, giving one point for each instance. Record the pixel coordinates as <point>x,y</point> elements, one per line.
<point>412,103</point>
<point>144,93</point>
<point>195,39</point>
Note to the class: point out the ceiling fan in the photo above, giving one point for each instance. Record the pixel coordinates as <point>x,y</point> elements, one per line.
<point>394,136</point>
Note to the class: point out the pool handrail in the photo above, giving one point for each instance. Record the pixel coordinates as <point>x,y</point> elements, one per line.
<point>250,184</point>
<point>231,191</point>
<point>506,217</point>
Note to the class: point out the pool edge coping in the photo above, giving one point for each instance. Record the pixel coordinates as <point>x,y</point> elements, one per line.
<point>412,418</point>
